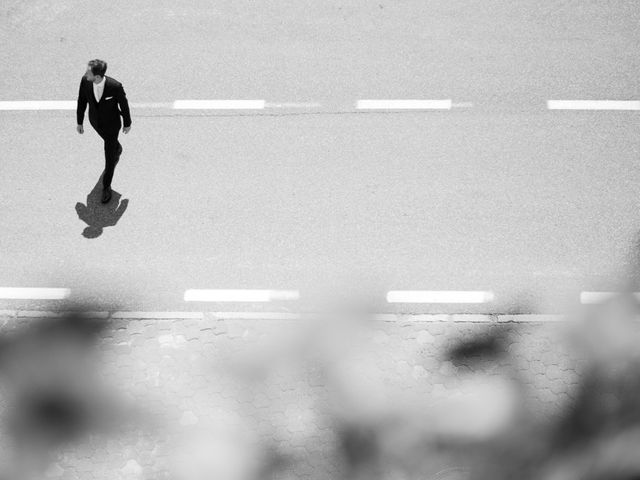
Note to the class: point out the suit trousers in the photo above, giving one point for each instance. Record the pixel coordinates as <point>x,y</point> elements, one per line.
<point>111,147</point>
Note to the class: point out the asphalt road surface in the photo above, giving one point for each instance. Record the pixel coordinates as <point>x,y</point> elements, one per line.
<point>497,194</point>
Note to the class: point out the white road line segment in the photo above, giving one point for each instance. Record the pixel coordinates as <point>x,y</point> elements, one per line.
<point>438,296</point>
<point>67,105</point>
<point>34,293</point>
<point>196,295</point>
<point>157,315</point>
<point>592,105</point>
<point>38,105</point>
<point>292,105</point>
<point>598,297</point>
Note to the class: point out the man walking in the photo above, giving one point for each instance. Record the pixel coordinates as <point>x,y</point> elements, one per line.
<point>104,95</point>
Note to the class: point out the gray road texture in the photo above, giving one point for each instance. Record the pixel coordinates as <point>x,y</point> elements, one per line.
<point>504,195</point>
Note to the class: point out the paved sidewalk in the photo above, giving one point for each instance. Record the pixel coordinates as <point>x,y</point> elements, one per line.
<point>239,398</point>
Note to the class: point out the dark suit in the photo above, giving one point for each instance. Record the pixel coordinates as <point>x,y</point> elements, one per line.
<point>104,117</point>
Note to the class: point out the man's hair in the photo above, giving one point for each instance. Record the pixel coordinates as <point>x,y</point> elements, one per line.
<point>98,67</point>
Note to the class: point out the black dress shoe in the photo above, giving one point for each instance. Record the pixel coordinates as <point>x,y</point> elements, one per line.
<point>106,195</point>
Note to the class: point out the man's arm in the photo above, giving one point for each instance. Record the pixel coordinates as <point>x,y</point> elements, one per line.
<point>82,105</point>
<point>124,106</point>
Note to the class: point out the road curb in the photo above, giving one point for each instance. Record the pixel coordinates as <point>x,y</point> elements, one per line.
<point>383,317</point>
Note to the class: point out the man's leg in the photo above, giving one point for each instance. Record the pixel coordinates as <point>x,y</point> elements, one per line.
<point>111,148</point>
<point>104,137</point>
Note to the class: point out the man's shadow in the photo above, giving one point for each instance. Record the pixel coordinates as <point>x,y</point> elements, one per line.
<point>97,215</point>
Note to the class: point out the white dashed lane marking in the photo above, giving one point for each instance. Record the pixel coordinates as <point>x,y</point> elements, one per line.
<point>38,105</point>
<point>226,295</point>
<point>195,295</point>
<point>34,293</point>
<point>442,296</point>
<point>593,105</point>
<point>23,105</point>
<point>157,315</point>
<point>292,105</point>
<point>599,297</point>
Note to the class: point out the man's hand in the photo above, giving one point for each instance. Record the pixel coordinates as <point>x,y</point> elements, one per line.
<point>80,129</point>
<point>126,129</point>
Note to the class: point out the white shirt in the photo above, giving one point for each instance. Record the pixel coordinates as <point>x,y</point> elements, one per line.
<point>98,88</point>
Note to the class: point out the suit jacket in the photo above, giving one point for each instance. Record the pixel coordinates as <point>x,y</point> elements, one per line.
<point>104,115</point>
